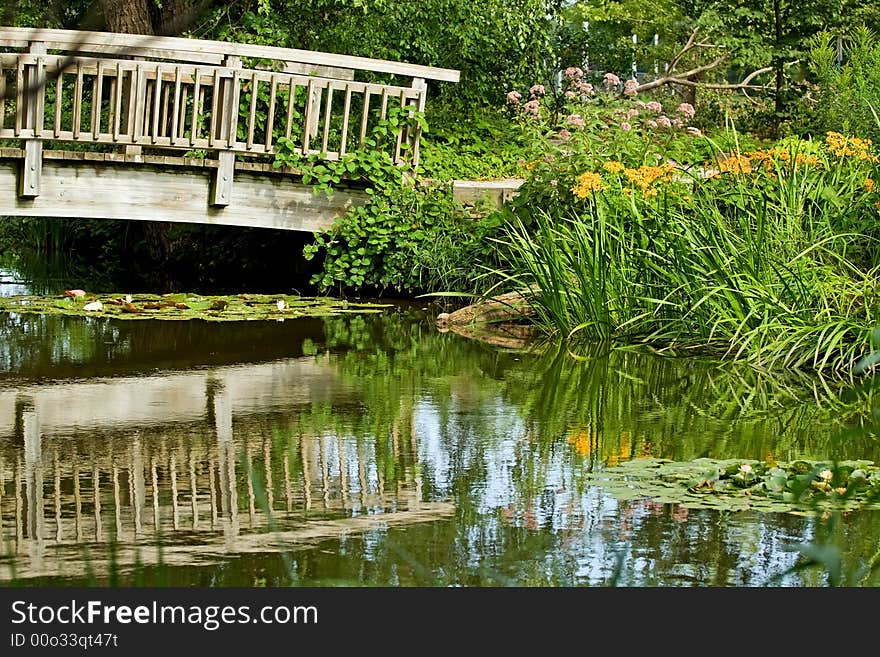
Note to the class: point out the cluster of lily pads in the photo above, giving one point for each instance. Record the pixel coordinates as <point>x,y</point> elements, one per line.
<point>801,487</point>
<point>186,306</point>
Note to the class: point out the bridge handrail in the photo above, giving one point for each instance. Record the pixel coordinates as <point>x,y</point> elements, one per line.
<point>135,91</point>
<point>206,51</point>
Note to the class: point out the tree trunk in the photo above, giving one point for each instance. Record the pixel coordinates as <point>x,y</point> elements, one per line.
<point>176,16</point>
<point>777,63</point>
<point>128,16</point>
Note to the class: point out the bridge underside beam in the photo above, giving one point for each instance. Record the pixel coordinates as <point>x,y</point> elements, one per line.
<point>148,192</point>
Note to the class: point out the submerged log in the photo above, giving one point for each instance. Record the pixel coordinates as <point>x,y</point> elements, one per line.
<point>509,307</point>
<point>498,321</point>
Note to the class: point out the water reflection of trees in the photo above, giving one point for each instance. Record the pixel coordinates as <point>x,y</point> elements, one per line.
<point>422,417</point>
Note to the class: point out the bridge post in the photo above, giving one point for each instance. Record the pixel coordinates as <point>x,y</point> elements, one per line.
<point>34,103</point>
<point>227,125</point>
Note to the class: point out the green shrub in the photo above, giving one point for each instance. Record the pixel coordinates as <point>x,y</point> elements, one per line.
<point>848,95</point>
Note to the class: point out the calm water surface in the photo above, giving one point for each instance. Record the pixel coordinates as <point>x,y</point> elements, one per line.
<point>376,450</point>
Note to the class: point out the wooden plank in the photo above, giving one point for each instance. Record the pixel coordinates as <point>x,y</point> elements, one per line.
<point>232,110</point>
<point>143,192</point>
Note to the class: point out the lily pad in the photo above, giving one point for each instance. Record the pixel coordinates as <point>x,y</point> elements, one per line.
<point>802,487</point>
<point>182,306</point>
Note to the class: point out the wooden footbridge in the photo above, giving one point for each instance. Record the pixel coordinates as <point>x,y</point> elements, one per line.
<point>125,126</point>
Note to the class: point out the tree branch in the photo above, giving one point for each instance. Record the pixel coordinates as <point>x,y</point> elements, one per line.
<point>677,79</point>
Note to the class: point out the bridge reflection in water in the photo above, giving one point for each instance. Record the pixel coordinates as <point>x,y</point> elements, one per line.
<point>194,462</point>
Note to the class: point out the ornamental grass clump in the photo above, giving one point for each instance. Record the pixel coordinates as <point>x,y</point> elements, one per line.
<point>770,256</point>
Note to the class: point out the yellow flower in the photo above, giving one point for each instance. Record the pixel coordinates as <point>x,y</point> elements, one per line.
<point>736,164</point>
<point>588,182</point>
<point>869,185</point>
<point>841,145</point>
<point>613,166</point>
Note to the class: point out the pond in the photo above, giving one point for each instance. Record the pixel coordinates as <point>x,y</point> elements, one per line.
<point>377,450</point>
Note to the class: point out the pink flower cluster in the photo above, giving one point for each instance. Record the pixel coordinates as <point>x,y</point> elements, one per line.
<point>686,110</point>
<point>532,107</point>
<point>513,97</point>
<point>574,73</point>
<point>630,88</point>
<point>536,90</point>
<point>611,81</point>
<point>575,120</point>
<point>654,106</point>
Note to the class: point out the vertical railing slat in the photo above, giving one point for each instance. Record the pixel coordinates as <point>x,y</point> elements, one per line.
<point>325,138</point>
<point>97,92</point>
<point>3,96</point>
<point>365,117</point>
<point>181,123</point>
<point>77,101</point>
<point>270,115</point>
<point>117,115</point>
<point>307,119</point>
<point>291,108</point>
<point>59,89</point>
<point>19,97</point>
<point>384,111</point>
<point>157,101</point>
<point>252,114</point>
<point>232,137</point>
<point>399,141</point>
<point>421,86</point>
<point>197,91</point>
<point>346,108</point>
<point>175,110</point>
<point>166,108</point>
<point>215,108</point>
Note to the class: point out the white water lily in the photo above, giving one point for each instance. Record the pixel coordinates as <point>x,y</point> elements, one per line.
<point>745,468</point>
<point>280,304</point>
<point>94,305</point>
<point>825,474</point>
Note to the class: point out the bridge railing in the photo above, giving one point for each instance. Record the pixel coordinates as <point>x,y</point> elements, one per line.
<point>138,91</point>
